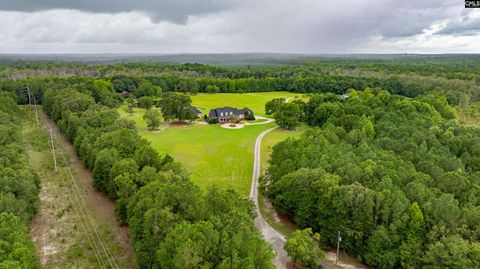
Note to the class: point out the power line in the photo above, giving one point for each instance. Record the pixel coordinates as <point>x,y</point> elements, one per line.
<point>90,239</point>
<point>35,102</point>
<point>84,211</point>
<point>53,151</point>
<point>103,245</point>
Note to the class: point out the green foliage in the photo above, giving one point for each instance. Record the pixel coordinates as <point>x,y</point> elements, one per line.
<point>154,196</point>
<point>131,104</point>
<point>396,173</point>
<point>152,117</point>
<point>304,249</point>
<point>452,252</point>
<point>274,105</point>
<point>212,89</point>
<point>19,188</point>
<point>170,217</point>
<point>16,247</point>
<point>288,115</point>
<point>146,88</point>
<point>146,102</point>
<point>177,106</point>
<point>103,93</point>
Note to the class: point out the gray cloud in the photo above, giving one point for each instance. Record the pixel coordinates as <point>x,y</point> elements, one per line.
<point>304,26</point>
<point>464,26</point>
<point>172,10</point>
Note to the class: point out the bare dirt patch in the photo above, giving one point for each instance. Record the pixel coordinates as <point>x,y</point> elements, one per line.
<point>61,235</point>
<point>179,123</point>
<point>101,206</point>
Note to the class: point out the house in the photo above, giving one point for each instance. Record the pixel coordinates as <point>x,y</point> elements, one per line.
<point>222,114</point>
<point>197,112</point>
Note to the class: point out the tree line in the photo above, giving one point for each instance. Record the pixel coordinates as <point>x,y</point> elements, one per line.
<point>19,188</point>
<point>173,223</point>
<point>398,177</point>
<point>455,77</point>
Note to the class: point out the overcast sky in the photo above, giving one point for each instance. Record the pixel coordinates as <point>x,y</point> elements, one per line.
<point>222,26</point>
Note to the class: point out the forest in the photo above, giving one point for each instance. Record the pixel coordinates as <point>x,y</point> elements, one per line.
<point>456,77</point>
<point>398,177</point>
<point>386,159</point>
<point>173,224</point>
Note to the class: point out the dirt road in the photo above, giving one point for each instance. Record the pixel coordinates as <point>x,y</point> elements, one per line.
<point>271,235</point>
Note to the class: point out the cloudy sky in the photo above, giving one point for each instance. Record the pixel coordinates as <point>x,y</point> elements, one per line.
<point>222,26</point>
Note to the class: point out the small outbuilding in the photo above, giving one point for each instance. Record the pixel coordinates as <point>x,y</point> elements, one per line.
<point>197,112</point>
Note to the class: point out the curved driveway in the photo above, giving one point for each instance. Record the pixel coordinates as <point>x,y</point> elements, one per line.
<point>270,235</point>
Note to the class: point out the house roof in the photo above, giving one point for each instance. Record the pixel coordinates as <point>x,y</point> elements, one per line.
<point>225,111</point>
<point>197,111</point>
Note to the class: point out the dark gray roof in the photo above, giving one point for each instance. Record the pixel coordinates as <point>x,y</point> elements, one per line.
<point>217,112</point>
<point>197,111</point>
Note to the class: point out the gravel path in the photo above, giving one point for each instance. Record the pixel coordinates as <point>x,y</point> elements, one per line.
<point>270,235</point>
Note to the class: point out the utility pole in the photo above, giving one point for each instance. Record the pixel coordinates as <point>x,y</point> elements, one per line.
<point>35,103</point>
<point>28,93</point>
<point>338,247</point>
<point>53,151</point>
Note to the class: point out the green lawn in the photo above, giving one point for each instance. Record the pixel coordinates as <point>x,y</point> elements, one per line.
<point>212,154</point>
<point>273,138</point>
<point>255,101</point>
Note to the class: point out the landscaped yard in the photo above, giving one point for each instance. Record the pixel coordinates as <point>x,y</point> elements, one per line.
<point>255,100</point>
<point>212,154</point>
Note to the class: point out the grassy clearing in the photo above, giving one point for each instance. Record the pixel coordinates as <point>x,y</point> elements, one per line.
<point>57,228</point>
<point>212,154</point>
<point>255,101</point>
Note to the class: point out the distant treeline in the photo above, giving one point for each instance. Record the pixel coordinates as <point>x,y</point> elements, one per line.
<point>308,78</point>
<point>19,188</point>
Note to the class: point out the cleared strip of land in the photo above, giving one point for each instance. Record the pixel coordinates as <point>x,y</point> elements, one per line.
<point>75,226</point>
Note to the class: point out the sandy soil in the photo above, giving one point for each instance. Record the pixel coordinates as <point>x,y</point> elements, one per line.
<point>102,206</point>
<point>57,227</point>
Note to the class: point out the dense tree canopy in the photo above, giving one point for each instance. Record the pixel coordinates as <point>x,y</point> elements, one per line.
<point>177,106</point>
<point>398,176</point>
<point>19,188</point>
<point>288,115</point>
<point>302,246</point>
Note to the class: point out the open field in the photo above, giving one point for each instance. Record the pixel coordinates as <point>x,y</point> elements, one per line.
<point>255,100</point>
<point>212,154</point>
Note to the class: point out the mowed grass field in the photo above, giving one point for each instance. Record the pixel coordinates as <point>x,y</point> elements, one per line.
<point>212,154</point>
<point>255,100</point>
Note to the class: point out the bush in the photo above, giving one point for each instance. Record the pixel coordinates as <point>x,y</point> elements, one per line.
<point>212,121</point>
<point>249,116</point>
<point>304,249</point>
<point>146,102</point>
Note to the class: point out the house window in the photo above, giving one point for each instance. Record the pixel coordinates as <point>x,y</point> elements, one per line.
<point>231,113</point>
<point>221,114</point>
